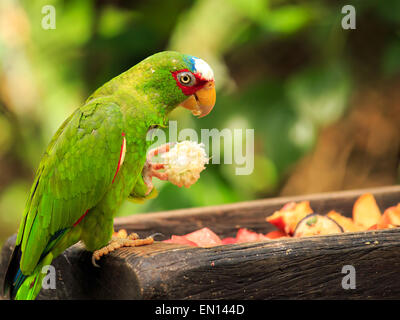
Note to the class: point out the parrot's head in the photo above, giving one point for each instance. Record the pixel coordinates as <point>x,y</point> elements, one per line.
<point>177,79</point>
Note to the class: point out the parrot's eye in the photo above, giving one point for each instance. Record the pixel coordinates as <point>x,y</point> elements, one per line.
<point>186,78</point>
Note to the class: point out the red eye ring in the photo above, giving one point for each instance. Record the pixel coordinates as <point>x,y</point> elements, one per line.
<point>192,88</point>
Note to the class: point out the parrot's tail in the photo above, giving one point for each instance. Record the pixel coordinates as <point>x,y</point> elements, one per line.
<point>14,276</point>
<point>29,287</point>
<point>20,286</point>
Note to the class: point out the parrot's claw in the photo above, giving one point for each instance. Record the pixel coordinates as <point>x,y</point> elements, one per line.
<point>150,168</point>
<point>161,149</point>
<point>122,239</point>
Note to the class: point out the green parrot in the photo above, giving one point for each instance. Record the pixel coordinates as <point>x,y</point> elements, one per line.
<point>98,158</point>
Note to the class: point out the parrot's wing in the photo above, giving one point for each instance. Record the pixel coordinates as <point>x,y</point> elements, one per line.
<point>75,172</point>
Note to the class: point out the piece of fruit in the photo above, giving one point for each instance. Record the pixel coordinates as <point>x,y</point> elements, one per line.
<point>245,235</point>
<point>289,216</point>
<point>346,223</point>
<point>276,234</point>
<point>228,240</point>
<point>184,162</point>
<point>315,224</point>
<point>180,240</point>
<point>204,238</point>
<point>380,226</point>
<point>366,211</point>
<point>391,216</point>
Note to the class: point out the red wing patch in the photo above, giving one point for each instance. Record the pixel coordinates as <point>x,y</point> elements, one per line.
<point>80,219</point>
<point>121,156</point>
<point>121,160</point>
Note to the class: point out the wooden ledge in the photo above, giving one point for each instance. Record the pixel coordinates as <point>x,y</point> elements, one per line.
<point>296,268</point>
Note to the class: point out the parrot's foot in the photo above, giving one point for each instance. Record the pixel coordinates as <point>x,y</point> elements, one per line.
<point>122,239</point>
<point>150,168</point>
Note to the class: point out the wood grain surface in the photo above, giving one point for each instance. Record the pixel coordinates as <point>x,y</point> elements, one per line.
<point>296,268</point>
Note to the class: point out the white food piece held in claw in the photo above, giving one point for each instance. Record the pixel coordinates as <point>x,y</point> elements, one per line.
<point>184,162</point>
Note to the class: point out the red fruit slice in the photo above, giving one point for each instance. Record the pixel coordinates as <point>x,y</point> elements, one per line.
<point>228,240</point>
<point>276,234</point>
<point>204,238</point>
<point>245,235</point>
<point>180,240</point>
<point>289,216</point>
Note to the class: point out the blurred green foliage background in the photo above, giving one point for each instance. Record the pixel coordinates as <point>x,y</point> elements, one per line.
<point>285,68</point>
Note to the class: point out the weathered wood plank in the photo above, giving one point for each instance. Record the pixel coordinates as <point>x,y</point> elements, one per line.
<point>305,268</point>
<point>226,219</point>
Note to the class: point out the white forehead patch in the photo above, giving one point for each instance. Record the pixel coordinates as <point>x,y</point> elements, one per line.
<point>203,68</point>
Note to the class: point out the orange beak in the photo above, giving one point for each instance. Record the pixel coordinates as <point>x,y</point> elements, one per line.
<point>202,102</point>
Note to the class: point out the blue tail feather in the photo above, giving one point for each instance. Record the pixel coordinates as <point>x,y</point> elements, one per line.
<point>14,276</point>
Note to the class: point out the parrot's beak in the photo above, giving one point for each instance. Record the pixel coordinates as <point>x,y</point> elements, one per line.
<point>202,101</point>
